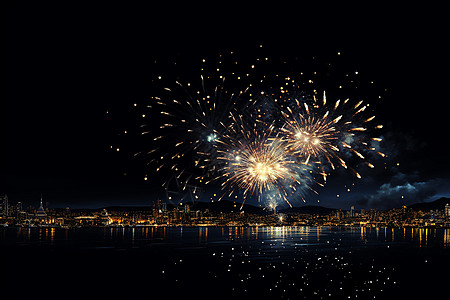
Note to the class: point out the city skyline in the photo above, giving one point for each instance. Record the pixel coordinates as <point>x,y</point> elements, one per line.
<point>434,214</point>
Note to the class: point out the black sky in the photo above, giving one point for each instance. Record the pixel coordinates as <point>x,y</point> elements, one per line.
<point>65,64</point>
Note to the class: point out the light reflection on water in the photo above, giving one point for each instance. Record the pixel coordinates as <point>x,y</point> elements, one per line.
<point>203,235</point>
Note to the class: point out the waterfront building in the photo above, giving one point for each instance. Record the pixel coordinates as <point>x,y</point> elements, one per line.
<point>105,219</point>
<point>19,207</point>
<point>447,210</point>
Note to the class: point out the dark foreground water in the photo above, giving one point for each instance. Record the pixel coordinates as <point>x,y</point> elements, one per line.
<point>224,262</point>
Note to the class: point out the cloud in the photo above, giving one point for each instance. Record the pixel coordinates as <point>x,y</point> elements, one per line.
<point>402,189</point>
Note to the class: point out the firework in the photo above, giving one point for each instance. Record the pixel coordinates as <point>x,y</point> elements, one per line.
<point>258,164</point>
<point>325,133</point>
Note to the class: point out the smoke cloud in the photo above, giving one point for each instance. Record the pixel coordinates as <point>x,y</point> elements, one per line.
<point>402,189</point>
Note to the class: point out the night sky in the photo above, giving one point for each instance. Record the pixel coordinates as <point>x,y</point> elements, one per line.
<point>64,65</point>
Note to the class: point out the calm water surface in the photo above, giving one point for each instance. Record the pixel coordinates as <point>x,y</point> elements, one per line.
<point>224,262</point>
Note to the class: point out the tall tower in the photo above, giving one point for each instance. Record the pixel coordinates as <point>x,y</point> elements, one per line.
<point>41,215</point>
<point>4,206</point>
<point>40,206</point>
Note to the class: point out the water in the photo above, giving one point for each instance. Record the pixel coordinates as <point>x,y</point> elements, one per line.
<point>224,262</point>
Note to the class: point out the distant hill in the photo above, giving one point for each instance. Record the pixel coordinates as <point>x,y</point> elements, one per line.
<point>128,208</point>
<point>308,209</point>
<point>426,206</point>
<point>226,206</point>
